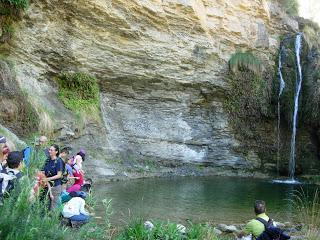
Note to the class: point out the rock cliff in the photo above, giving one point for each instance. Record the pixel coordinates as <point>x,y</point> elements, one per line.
<point>161,66</point>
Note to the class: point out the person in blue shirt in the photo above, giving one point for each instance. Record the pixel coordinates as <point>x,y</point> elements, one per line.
<point>53,171</point>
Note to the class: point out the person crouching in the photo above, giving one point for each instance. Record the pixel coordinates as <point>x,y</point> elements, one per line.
<point>74,209</point>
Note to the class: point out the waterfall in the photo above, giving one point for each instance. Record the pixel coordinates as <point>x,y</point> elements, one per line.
<point>292,163</point>
<point>282,85</point>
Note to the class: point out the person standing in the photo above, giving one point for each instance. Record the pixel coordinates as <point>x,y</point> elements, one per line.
<point>53,171</point>
<point>3,152</point>
<point>78,174</point>
<point>43,141</point>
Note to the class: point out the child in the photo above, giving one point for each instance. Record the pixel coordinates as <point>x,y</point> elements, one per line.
<point>13,170</point>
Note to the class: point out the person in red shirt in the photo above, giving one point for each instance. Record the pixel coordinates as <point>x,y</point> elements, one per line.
<point>78,175</point>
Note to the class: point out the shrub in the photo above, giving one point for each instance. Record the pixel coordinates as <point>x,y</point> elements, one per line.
<point>243,62</point>
<point>79,92</point>
<point>248,97</point>
<point>169,230</point>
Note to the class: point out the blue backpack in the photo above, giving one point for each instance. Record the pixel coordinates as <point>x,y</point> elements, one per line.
<point>271,232</point>
<point>27,156</point>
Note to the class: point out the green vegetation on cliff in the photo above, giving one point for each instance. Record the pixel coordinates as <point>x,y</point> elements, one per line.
<point>249,93</point>
<point>248,103</point>
<point>79,92</point>
<point>243,62</point>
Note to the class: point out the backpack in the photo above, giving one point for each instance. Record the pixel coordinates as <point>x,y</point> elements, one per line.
<point>11,183</point>
<point>271,232</point>
<point>27,155</point>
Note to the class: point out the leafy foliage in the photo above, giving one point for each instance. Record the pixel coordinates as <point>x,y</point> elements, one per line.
<point>243,62</point>
<point>249,92</point>
<point>169,231</point>
<point>248,103</point>
<point>78,91</point>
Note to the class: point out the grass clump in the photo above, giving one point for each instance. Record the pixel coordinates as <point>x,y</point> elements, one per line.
<point>245,61</point>
<point>170,231</point>
<point>79,92</point>
<point>307,212</point>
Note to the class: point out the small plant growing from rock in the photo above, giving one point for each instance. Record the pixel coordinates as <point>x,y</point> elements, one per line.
<point>79,92</point>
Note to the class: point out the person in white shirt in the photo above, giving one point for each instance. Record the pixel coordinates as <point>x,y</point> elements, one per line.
<point>75,211</point>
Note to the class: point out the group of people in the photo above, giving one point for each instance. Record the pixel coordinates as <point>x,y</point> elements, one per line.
<point>60,181</point>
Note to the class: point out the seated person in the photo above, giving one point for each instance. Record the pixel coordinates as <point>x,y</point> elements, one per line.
<point>255,227</point>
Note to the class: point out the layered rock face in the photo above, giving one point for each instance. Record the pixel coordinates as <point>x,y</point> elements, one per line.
<point>161,65</point>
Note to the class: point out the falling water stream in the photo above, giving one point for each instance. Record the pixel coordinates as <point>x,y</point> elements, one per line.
<point>281,88</point>
<point>292,162</point>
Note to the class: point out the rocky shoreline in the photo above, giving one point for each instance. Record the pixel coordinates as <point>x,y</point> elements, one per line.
<point>294,230</point>
<point>114,171</point>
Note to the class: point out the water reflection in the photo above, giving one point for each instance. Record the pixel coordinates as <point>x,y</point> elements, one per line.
<point>214,199</point>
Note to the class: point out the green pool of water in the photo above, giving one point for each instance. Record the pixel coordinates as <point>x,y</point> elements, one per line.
<point>200,199</point>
